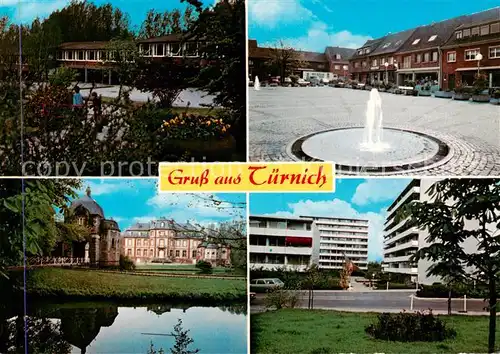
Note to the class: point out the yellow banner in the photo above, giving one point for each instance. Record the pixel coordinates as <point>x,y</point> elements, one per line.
<point>247,177</point>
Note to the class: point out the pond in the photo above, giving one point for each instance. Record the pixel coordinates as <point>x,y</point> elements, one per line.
<point>106,327</point>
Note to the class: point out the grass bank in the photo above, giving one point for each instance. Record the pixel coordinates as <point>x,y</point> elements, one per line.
<point>324,332</point>
<point>92,284</point>
<point>186,269</point>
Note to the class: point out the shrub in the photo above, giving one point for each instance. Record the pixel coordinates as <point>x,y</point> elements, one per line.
<point>496,94</point>
<point>480,83</point>
<point>410,327</point>
<point>192,127</point>
<point>281,298</point>
<point>204,267</point>
<point>438,290</point>
<point>126,263</point>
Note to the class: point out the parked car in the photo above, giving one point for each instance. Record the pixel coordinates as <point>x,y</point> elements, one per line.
<point>265,284</point>
<point>303,82</point>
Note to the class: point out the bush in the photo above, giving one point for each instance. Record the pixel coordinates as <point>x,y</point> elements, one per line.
<point>410,327</point>
<point>438,290</point>
<point>328,279</point>
<point>281,298</point>
<point>126,263</point>
<point>383,285</point>
<point>204,267</point>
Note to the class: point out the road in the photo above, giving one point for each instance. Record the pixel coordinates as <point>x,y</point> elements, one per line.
<point>376,301</point>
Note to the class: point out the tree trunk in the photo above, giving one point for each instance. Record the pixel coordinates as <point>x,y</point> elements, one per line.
<point>493,315</point>
<point>449,300</point>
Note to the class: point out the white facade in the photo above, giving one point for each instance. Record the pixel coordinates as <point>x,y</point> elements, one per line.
<point>341,237</point>
<point>402,240</point>
<point>282,242</point>
<point>306,75</point>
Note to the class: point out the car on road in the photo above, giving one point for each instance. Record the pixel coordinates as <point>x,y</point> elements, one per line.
<point>265,284</point>
<point>303,82</point>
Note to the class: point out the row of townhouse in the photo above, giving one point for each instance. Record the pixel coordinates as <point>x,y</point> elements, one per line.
<point>448,52</point>
<point>297,243</point>
<point>331,64</point>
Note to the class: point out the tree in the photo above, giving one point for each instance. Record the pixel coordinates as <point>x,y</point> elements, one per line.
<point>28,215</point>
<point>312,278</point>
<point>285,60</point>
<point>223,30</point>
<point>158,24</point>
<point>182,340</point>
<point>460,210</point>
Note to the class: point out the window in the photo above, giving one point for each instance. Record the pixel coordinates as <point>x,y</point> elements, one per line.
<point>151,253</point>
<point>356,64</point>
<point>434,56</point>
<point>364,64</point>
<point>407,62</point>
<point>458,34</point>
<point>129,242</point>
<point>162,224</point>
<point>391,60</point>
<point>171,253</point>
<point>193,254</point>
<point>138,243</point>
<point>451,57</point>
<point>367,50</point>
<point>495,27</point>
<point>184,254</point>
<point>427,57</point>
<point>471,54</point>
<point>416,41</point>
<point>494,52</point>
<point>69,55</point>
<point>91,55</point>
<point>467,32</point>
<point>129,252</point>
<point>374,62</point>
<point>191,49</point>
<point>178,243</point>
<point>112,243</point>
<point>382,61</point>
<point>475,31</point>
<point>175,50</point>
<point>81,55</point>
<point>360,51</point>
<point>177,253</point>
<point>101,55</point>
<point>138,253</point>
<point>386,45</point>
<point>485,30</point>
<point>418,58</point>
<point>432,38</point>
<point>337,67</point>
<point>159,50</point>
<point>337,56</point>
<point>184,243</point>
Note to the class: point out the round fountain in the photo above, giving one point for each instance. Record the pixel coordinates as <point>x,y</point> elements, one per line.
<point>372,148</point>
<point>256,84</point>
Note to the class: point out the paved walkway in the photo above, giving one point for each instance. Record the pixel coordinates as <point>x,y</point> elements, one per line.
<point>279,116</point>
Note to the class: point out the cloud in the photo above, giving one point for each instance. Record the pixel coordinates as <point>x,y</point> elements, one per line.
<point>271,13</point>
<point>319,36</point>
<point>28,10</point>
<point>376,190</point>
<point>343,209</point>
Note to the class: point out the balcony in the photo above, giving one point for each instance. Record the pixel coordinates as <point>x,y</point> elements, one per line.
<point>403,246</point>
<point>261,231</point>
<point>412,271</point>
<point>300,251</point>
<point>403,199</point>
<point>397,259</point>
<point>411,230</point>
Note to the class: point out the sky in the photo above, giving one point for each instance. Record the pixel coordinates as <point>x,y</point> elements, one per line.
<point>128,201</point>
<point>137,9</point>
<point>353,198</point>
<point>314,24</point>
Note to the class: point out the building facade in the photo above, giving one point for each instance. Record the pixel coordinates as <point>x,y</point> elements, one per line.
<point>403,239</point>
<point>340,238</point>
<point>444,52</point>
<point>95,61</point>
<point>165,240</point>
<point>102,248</point>
<point>291,243</point>
<point>331,64</point>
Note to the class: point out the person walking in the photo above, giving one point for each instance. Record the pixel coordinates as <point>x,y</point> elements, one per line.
<point>77,99</point>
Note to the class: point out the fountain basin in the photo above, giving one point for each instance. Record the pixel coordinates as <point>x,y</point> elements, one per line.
<point>404,150</point>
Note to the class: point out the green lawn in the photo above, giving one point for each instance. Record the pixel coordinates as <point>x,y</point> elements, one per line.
<point>184,269</point>
<point>95,284</point>
<point>321,332</point>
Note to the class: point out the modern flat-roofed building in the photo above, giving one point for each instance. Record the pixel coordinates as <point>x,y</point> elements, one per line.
<point>277,242</point>
<point>340,238</point>
<point>402,239</point>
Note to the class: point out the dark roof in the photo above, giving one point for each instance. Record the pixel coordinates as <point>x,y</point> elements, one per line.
<point>477,19</point>
<point>111,225</point>
<point>312,56</point>
<point>265,53</point>
<point>83,45</point>
<point>372,44</point>
<point>392,42</point>
<point>139,226</point>
<point>174,37</point>
<point>89,204</point>
<point>345,53</point>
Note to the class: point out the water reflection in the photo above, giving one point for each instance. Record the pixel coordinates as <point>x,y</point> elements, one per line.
<point>107,327</point>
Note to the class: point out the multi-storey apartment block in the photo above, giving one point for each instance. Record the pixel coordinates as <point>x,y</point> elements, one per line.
<point>283,242</point>
<point>168,241</point>
<point>340,238</point>
<point>402,239</point>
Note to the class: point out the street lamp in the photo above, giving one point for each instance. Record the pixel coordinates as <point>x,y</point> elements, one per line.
<point>386,73</point>
<point>479,57</point>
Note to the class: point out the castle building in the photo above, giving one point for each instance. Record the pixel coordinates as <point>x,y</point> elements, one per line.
<point>167,241</point>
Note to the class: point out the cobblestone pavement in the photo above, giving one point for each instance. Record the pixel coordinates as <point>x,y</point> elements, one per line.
<point>279,116</point>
